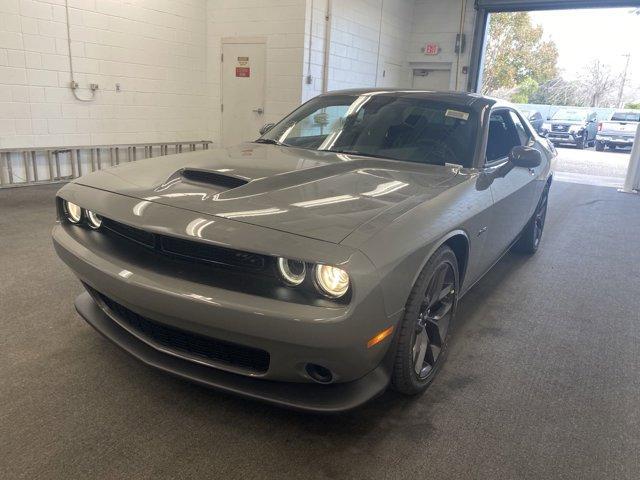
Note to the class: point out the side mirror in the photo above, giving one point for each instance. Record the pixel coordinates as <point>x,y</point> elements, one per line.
<point>549,118</point>
<point>526,157</point>
<point>266,127</point>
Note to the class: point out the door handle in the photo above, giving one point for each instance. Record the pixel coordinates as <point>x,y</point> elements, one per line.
<point>259,110</point>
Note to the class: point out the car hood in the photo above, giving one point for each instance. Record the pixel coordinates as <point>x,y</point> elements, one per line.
<point>315,194</point>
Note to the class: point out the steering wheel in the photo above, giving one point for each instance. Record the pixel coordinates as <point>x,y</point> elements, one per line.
<point>444,150</point>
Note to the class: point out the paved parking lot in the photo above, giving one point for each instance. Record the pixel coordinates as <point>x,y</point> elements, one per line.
<point>592,168</point>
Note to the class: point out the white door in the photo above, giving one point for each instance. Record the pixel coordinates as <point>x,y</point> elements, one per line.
<point>394,76</point>
<point>439,80</point>
<point>243,85</point>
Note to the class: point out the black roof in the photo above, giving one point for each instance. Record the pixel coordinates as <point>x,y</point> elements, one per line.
<point>471,100</point>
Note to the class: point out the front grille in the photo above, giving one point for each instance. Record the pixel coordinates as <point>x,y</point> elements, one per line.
<point>130,233</point>
<point>187,249</point>
<point>189,344</point>
<point>559,128</point>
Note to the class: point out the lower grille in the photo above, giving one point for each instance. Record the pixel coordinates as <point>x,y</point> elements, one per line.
<point>183,343</point>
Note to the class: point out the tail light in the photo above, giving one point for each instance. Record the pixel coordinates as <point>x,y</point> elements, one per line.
<point>600,126</point>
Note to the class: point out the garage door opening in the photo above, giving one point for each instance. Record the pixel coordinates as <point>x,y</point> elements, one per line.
<point>575,76</point>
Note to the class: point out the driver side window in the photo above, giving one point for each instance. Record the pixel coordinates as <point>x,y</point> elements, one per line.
<point>503,135</point>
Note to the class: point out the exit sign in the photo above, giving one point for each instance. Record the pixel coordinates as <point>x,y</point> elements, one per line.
<point>431,49</point>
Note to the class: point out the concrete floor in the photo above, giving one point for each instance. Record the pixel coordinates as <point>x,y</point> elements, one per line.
<point>542,380</point>
<point>592,168</point>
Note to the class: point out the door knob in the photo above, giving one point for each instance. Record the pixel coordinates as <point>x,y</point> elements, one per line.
<point>259,110</point>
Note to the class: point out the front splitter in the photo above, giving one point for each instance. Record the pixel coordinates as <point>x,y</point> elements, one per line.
<point>310,397</point>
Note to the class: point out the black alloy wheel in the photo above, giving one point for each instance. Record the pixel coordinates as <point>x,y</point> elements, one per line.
<point>432,325</point>
<point>531,236</point>
<point>427,322</point>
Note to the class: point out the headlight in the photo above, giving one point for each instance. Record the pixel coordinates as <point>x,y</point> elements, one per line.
<point>332,281</point>
<point>575,128</point>
<point>546,126</point>
<point>94,219</point>
<point>293,272</point>
<point>73,212</point>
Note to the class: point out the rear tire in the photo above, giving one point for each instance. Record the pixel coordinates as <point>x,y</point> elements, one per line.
<point>600,146</point>
<point>425,327</point>
<point>531,236</point>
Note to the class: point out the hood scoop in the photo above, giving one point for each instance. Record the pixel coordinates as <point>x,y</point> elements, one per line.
<point>212,178</point>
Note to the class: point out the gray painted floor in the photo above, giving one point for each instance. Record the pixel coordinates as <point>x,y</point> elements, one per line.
<point>542,380</point>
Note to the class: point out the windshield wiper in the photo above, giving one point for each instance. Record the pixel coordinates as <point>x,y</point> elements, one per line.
<point>355,152</point>
<point>271,141</point>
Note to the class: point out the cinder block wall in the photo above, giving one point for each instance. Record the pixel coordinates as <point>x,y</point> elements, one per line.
<point>282,24</point>
<point>155,50</point>
<point>165,54</point>
<point>367,37</point>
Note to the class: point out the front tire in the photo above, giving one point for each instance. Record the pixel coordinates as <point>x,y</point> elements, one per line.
<point>531,236</point>
<point>425,327</point>
<point>600,146</point>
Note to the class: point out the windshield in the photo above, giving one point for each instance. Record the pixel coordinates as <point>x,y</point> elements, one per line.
<point>626,117</point>
<point>570,115</point>
<point>388,126</point>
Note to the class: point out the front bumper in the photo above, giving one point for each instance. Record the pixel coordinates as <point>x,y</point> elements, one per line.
<point>616,140</point>
<point>564,138</point>
<point>306,397</point>
<point>293,333</point>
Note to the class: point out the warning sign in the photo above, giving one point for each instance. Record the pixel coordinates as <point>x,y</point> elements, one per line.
<point>243,72</point>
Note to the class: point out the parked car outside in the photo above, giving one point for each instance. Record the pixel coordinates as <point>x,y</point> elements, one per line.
<point>572,126</point>
<point>535,119</point>
<point>319,264</point>
<point>619,131</point>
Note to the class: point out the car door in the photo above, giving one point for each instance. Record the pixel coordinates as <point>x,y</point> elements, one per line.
<point>513,194</point>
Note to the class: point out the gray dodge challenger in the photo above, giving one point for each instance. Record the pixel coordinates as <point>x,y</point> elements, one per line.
<point>319,264</point>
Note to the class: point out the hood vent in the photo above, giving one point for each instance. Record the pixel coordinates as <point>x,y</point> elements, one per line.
<point>212,178</point>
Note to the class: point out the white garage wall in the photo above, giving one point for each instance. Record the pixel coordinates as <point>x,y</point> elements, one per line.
<point>367,37</point>
<point>282,24</point>
<point>166,56</point>
<point>437,21</point>
<point>155,49</point>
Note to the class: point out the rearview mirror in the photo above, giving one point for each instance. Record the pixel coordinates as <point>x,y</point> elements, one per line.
<point>266,127</point>
<point>526,157</point>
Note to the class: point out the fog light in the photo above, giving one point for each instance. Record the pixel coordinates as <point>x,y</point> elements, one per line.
<point>94,219</point>
<point>319,373</point>
<point>73,212</point>
<point>293,272</point>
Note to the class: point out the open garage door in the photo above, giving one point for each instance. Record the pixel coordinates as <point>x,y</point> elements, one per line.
<point>485,7</point>
<point>544,89</point>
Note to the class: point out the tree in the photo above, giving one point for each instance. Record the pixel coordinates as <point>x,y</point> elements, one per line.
<point>525,91</point>
<point>557,92</point>
<point>517,51</point>
<point>632,105</point>
<point>598,85</point>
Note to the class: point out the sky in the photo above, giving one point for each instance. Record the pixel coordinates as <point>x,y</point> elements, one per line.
<point>585,35</point>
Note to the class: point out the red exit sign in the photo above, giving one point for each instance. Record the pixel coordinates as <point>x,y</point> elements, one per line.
<point>431,49</point>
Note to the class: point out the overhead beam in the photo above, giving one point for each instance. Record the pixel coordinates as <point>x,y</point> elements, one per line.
<point>528,5</point>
